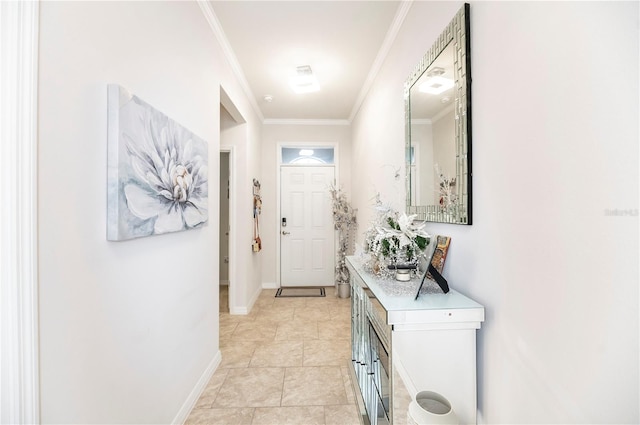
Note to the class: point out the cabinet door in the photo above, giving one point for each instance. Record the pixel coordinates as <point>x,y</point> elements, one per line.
<point>359,331</point>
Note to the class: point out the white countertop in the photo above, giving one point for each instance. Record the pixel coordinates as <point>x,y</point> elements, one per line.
<point>451,309</point>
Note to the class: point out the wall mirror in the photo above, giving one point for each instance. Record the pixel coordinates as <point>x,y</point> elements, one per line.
<point>438,128</point>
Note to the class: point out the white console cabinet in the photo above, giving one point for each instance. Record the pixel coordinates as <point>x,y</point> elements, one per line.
<point>401,346</point>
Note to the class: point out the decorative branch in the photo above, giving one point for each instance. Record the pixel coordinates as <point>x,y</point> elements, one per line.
<point>446,189</point>
<point>344,219</point>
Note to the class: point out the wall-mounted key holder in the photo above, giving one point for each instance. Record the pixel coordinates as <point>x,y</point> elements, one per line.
<point>256,244</point>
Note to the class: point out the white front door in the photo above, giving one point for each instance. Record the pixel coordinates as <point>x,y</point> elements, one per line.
<point>307,250</point>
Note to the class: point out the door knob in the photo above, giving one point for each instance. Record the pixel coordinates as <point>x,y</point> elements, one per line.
<point>284,232</point>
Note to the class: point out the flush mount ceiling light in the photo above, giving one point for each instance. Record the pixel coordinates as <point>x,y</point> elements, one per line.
<point>436,83</point>
<point>304,81</point>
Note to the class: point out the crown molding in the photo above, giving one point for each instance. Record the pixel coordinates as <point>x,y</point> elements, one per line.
<point>449,108</point>
<point>389,39</point>
<point>214,23</point>
<point>305,122</point>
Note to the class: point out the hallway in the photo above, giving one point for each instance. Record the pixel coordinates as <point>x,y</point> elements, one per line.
<point>285,363</point>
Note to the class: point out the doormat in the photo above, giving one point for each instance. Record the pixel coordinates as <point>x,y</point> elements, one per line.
<point>299,292</point>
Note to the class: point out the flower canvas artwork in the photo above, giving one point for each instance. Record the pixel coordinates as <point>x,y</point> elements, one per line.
<point>157,171</point>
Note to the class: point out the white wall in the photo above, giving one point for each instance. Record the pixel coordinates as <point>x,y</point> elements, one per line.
<point>424,178</point>
<point>249,166</point>
<point>444,154</point>
<point>127,329</point>
<point>244,165</point>
<point>555,147</point>
<point>273,134</point>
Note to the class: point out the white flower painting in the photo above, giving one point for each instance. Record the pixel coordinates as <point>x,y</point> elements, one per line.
<point>157,171</point>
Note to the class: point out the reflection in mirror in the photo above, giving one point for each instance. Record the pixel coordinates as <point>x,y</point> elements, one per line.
<point>438,114</point>
<point>432,131</point>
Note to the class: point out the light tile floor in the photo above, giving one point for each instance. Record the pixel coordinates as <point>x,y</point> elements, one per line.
<point>284,363</point>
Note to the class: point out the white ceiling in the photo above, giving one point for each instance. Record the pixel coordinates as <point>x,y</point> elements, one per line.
<point>344,42</point>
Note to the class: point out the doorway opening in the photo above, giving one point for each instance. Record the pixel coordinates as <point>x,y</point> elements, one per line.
<point>232,136</point>
<point>225,228</point>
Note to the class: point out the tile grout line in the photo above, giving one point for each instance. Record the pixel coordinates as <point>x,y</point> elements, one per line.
<point>284,379</point>
<point>329,306</point>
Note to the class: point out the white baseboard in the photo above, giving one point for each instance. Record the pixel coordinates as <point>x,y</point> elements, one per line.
<point>253,299</point>
<point>239,310</point>
<point>406,380</point>
<point>247,309</point>
<point>270,285</point>
<point>193,397</point>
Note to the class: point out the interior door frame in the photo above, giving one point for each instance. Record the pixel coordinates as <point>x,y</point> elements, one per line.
<point>233,284</point>
<point>19,278</point>
<point>336,176</point>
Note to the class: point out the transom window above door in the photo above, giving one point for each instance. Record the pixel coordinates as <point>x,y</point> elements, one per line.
<point>305,155</point>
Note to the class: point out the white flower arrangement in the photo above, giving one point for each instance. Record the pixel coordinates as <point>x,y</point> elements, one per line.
<point>446,189</point>
<point>394,239</point>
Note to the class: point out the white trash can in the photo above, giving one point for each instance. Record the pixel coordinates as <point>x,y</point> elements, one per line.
<point>431,408</point>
